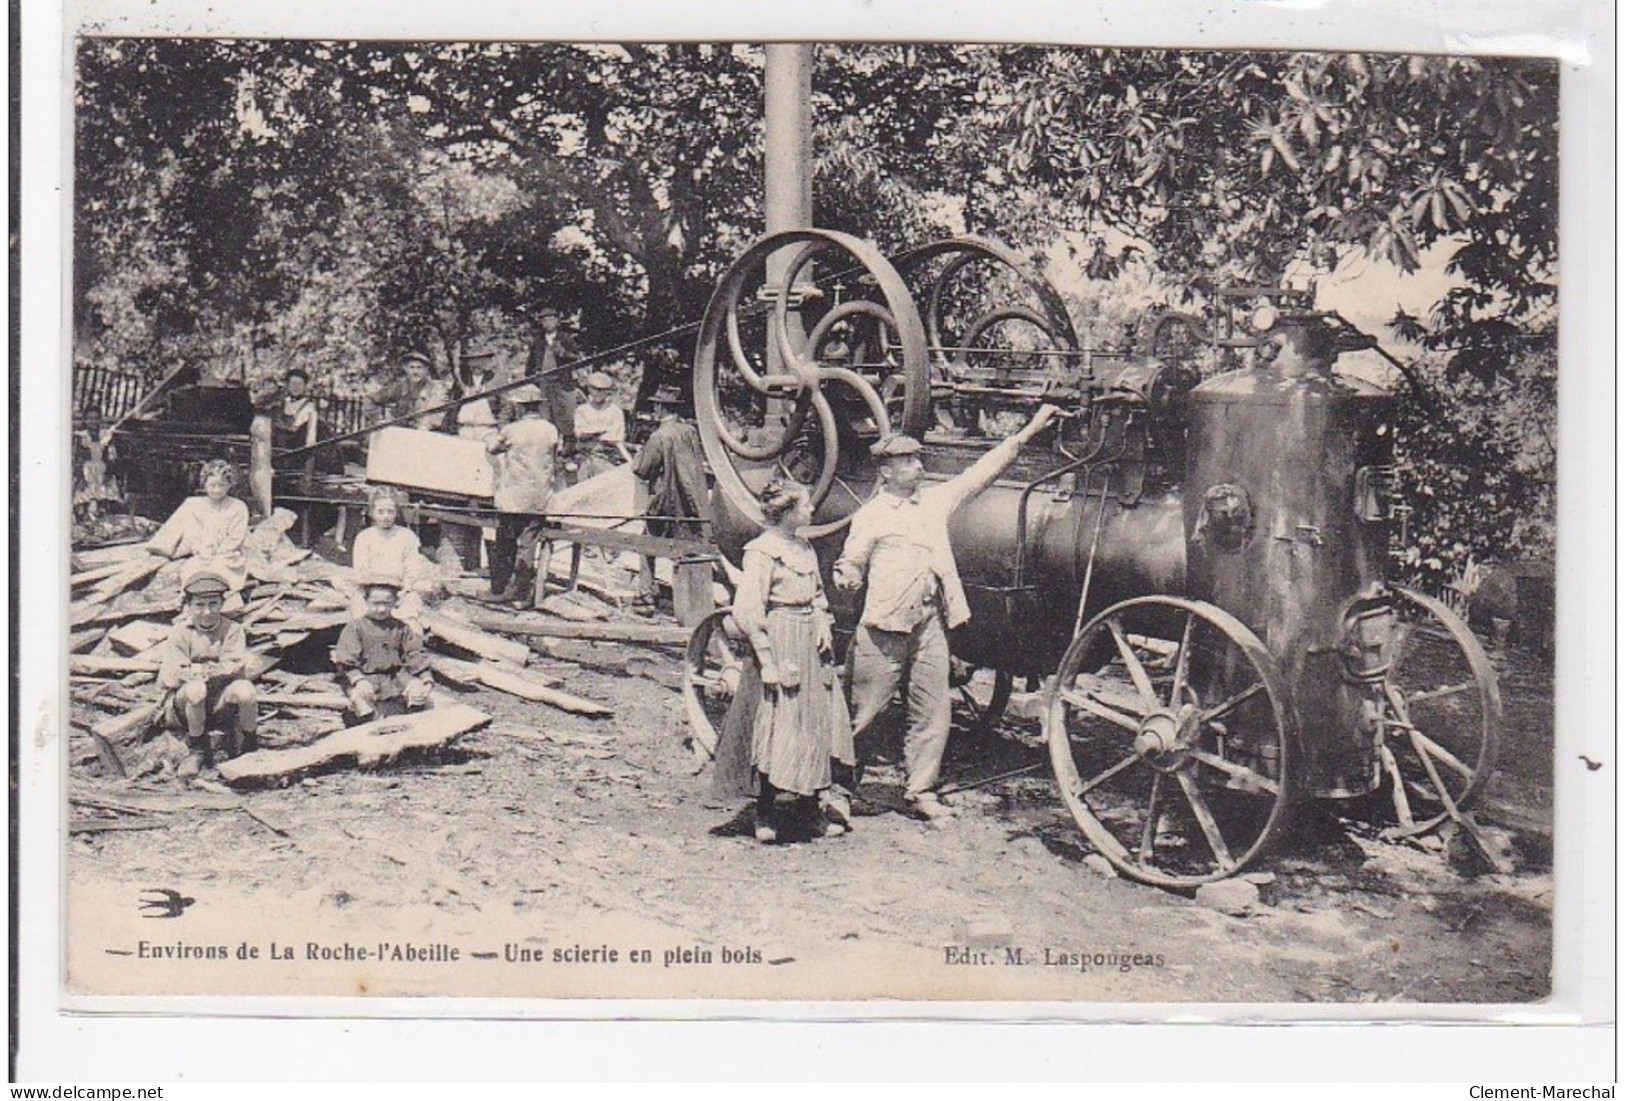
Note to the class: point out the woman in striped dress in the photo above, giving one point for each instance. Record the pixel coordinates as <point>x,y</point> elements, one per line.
<point>802,721</point>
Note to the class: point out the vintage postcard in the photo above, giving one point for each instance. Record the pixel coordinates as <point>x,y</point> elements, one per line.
<point>858,522</point>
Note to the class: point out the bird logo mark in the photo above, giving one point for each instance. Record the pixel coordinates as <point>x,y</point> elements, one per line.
<point>165,904</point>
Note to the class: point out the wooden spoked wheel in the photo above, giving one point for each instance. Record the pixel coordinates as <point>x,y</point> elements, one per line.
<point>1173,740</point>
<point>713,666</point>
<point>1441,714</point>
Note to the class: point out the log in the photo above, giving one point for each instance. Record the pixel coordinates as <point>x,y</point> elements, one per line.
<point>366,745</point>
<point>649,634</point>
<point>475,640</point>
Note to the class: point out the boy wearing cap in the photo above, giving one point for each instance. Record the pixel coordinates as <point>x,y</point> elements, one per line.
<point>898,540</point>
<point>527,452</point>
<point>382,657</point>
<point>202,672</point>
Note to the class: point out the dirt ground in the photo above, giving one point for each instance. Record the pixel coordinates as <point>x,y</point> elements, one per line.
<point>546,832</point>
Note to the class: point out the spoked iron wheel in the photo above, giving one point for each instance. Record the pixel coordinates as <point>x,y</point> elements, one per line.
<point>713,665</point>
<point>1173,739</point>
<point>1441,711</point>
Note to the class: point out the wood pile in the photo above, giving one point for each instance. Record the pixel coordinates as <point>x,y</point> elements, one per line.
<point>124,601</point>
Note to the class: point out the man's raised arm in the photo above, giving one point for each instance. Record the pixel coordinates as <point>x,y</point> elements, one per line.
<point>980,474</point>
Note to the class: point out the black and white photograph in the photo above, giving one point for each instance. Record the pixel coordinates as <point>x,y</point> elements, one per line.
<point>856,522</point>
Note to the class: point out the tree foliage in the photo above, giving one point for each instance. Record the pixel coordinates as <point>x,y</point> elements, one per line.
<point>255,204</point>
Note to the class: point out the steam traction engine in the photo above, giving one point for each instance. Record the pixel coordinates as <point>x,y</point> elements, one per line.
<point>1194,569</point>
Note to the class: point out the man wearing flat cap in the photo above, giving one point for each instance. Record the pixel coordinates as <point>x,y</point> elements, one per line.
<point>382,657</point>
<point>416,390</point>
<point>550,350</point>
<point>525,455</point>
<point>898,541</point>
<point>202,672</point>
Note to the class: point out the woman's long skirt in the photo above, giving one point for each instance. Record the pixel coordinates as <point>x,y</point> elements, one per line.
<point>799,729</point>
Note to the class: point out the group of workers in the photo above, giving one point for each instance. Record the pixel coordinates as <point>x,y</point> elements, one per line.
<point>799,721</point>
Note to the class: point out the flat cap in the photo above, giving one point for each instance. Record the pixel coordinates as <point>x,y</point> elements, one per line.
<point>895,445</point>
<point>666,395</point>
<point>381,581</point>
<point>525,395</point>
<point>547,311</point>
<point>203,580</point>
<point>416,357</point>
<point>600,381</point>
<point>479,353</point>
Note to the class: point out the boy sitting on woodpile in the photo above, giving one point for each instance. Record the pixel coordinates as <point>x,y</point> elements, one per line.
<point>382,658</point>
<point>202,672</point>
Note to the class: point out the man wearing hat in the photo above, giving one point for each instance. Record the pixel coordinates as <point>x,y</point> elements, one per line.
<point>550,350</point>
<point>898,540</point>
<point>382,657</point>
<point>526,453</point>
<point>414,392</point>
<point>671,473</point>
<point>202,671</point>
<point>600,428</point>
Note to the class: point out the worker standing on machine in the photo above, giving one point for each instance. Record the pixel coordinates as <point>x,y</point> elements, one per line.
<point>899,541</point>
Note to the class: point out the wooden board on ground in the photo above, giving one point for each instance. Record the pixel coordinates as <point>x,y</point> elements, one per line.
<point>100,664</point>
<point>649,634</point>
<point>142,634</point>
<point>474,640</point>
<point>326,701</point>
<point>138,569</point>
<point>102,556</point>
<point>522,683</point>
<point>365,745</point>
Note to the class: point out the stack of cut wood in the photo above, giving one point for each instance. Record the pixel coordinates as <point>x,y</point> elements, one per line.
<point>124,602</point>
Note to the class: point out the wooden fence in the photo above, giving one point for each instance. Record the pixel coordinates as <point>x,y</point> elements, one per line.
<point>113,393</point>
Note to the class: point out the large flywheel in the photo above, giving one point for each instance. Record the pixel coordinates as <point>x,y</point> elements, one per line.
<point>976,292</point>
<point>841,323</point>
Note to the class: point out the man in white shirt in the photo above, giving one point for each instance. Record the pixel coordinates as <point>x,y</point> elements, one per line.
<point>899,540</point>
<point>600,428</point>
<point>526,452</point>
